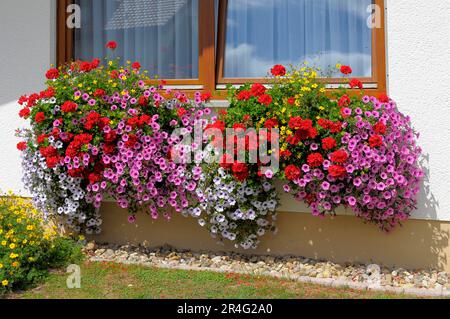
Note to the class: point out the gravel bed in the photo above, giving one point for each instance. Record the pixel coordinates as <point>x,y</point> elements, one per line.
<point>420,282</point>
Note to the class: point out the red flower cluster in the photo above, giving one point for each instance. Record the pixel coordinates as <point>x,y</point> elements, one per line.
<point>375,141</point>
<point>75,147</point>
<point>355,83</point>
<point>240,171</point>
<point>52,74</point>
<point>345,69</point>
<point>111,45</point>
<point>328,143</point>
<point>278,70</point>
<point>339,156</point>
<point>51,156</point>
<point>265,99</point>
<point>22,146</point>
<point>39,117</point>
<point>69,107</point>
<point>337,171</point>
<point>292,172</point>
<point>303,130</point>
<point>257,89</point>
<point>315,160</point>
<point>136,65</point>
<point>380,128</point>
<point>244,95</point>
<point>344,101</point>
<point>333,127</point>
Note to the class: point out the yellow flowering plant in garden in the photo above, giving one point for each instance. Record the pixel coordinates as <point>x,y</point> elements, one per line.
<point>29,245</point>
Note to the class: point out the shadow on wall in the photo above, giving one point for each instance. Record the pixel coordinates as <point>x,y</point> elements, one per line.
<point>428,205</point>
<point>418,244</point>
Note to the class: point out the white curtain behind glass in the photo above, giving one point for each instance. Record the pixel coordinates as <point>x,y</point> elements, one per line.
<point>261,33</point>
<point>161,34</point>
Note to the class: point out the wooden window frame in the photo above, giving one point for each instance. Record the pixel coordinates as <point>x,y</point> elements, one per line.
<point>211,63</point>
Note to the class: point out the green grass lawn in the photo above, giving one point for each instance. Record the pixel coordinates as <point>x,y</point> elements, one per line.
<point>108,280</point>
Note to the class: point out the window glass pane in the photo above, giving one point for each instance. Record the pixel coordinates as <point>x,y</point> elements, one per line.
<point>261,33</point>
<point>161,34</point>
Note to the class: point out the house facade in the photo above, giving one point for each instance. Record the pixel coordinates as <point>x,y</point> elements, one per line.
<point>396,46</point>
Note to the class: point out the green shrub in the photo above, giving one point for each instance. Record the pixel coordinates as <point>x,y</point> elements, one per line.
<point>30,246</point>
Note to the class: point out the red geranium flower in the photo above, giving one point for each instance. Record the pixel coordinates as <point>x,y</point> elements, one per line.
<point>240,171</point>
<point>22,146</point>
<point>383,98</point>
<point>271,123</point>
<point>345,69</point>
<point>143,101</point>
<point>94,178</point>
<point>315,159</point>
<point>52,161</point>
<point>335,127</point>
<point>52,74</point>
<point>292,172</point>
<point>181,112</point>
<point>265,99</point>
<point>95,63</point>
<point>286,153</point>
<point>291,100</point>
<point>344,101</point>
<point>380,128</point>
<point>339,156</point>
<point>244,95</point>
<point>257,89</point>
<point>42,138</point>
<point>278,70</point>
<point>206,96</point>
<point>25,112</point>
<point>85,66</point>
<point>39,117</point>
<point>356,83</point>
<point>328,143</point>
<point>375,141</point>
<point>247,117</point>
<point>22,99</point>
<point>136,65</point>
<point>99,93</point>
<point>337,171</point>
<point>111,45</point>
<point>69,106</point>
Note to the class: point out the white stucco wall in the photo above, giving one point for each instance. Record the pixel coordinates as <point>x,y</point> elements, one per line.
<point>418,67</point>
<point>26,51</point>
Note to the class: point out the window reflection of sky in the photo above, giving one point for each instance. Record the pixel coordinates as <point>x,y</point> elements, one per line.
<point>161,34</point>
<point>261,33</point>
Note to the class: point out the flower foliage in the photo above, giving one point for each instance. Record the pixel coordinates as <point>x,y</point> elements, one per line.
<point>349,149</point>
<point>98,131</point>
<point>28,245</point>
<point>237,211</point>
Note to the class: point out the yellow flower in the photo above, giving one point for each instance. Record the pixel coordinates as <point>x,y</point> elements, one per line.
<point>5,282</point>
<point>4,243</point>
<point>12,246</point>
<point>338,66</point>
<point>80,85</point>
<point>13,256</point>
<point>30,227</point>
<point>1,266</point>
